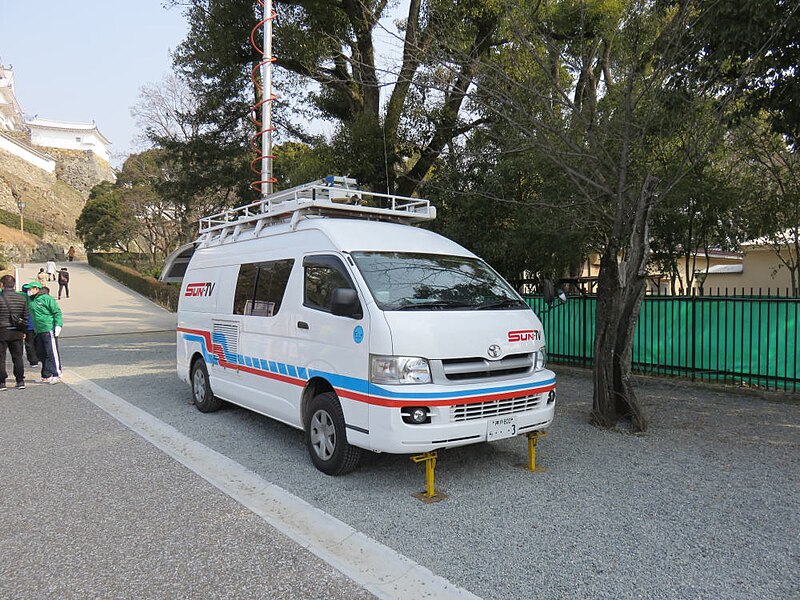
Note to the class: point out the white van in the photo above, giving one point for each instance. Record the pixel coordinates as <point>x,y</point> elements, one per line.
<point>323,308</point>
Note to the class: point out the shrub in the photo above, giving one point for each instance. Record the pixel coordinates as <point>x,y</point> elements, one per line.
<point>11,219</point>
<point>164,294</point>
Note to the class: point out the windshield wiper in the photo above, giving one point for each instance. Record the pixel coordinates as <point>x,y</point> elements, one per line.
<point>434,304</point>
<point>505,303</point>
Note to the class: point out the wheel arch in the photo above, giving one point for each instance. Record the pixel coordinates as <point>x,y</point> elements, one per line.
<point>314,387</point>
<point>196,355</point>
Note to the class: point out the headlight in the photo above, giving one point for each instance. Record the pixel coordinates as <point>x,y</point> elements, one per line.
<point>399,369</point>
<point>541,359</point>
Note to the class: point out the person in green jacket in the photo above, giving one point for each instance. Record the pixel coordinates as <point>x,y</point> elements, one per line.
<point>47,323</point>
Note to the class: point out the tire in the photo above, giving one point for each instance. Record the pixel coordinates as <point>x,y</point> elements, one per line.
<point>326,438</point>
<point>204,398</point>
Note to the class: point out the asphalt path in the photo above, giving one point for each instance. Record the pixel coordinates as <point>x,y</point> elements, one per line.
<point>705,505</point>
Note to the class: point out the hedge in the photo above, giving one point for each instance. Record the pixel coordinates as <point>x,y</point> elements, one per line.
<point>11,219</point>
<point>132,260</point>
<point>164,294</point>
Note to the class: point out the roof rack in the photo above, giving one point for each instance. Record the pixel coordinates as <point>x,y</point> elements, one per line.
<point>331,196</point>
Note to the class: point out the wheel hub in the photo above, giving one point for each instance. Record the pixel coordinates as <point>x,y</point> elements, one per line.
<point>323,435</point>
<point>199,386</point>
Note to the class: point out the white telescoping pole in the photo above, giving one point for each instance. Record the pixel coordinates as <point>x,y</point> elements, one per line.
<point>266,107</point>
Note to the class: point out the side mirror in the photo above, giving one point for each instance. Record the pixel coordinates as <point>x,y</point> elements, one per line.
<point>552,297</point>
<point>344,303</point>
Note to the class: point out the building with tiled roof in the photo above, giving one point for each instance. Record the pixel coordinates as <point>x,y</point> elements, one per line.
<point>68,135</point>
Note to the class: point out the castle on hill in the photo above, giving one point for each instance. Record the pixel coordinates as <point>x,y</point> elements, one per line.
<point>20,136</point>
<point>75,153</point>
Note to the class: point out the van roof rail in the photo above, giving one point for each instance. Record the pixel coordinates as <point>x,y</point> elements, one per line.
<point>331,196</point>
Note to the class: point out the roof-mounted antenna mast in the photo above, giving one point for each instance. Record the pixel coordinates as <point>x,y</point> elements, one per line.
<point>264,125</point>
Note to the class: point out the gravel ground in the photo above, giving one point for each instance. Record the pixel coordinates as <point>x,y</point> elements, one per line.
<point>704,505</point>
<point>91,510</point>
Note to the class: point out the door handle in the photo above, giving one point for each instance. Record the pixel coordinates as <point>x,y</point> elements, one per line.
<point>302,325</point>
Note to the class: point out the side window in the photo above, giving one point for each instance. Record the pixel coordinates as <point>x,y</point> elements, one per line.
<point>260,288</point>
<point>323,274</point>
<point>245,286</point>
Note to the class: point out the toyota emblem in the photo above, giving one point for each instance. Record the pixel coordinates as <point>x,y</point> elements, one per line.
<point>495,351</point>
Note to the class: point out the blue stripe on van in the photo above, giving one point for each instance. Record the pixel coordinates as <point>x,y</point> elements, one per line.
<point>209,358</point>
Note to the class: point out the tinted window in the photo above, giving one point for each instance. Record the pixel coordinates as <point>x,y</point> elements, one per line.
<point>323,274</point>
<point>260,288</point>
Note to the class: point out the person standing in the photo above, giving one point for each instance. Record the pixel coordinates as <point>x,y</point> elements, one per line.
<point>47,323</point>
<point>71,253</point>
<point>63,282</point>
<point>41,276</point>
<point>10,334</point>
<point>30,346</point>
<point>50,269</point>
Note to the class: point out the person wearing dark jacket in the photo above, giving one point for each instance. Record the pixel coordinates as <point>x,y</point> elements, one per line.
<point>12,304</point>
<point>63,282</point>
<point>47,323</point>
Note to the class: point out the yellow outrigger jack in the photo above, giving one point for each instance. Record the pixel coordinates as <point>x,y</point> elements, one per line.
<point>533,438</point>
<point>430,494</point>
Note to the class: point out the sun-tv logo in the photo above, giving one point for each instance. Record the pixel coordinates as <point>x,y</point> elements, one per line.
<point>199,289</point>
<point>524,335</point>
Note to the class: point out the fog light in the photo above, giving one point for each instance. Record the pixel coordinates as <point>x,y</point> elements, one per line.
<point>415,415</point>
<point>551,397</point>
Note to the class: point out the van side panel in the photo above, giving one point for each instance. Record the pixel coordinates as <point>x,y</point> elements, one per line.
<point>200,291</point>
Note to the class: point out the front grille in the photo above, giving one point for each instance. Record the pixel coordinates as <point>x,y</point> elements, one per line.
<point>493,408</point>
<point>480,368</point>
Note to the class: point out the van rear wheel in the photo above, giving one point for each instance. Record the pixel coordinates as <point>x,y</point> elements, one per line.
<point>326,438</point>
<point>204,398</point>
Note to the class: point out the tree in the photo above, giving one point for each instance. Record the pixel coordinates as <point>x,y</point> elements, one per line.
<point>603,90</point>
<point>157,219</point>
<point>104,222</point>
<point>771,174</point>
<point>197,170</point>
<point>297,163</point>
<point>702,213</point>
<point>166,110</point>
<point>331,45</point>
<point>507,205</point>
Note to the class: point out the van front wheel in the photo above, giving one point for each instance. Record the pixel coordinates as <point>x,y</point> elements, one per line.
<point>204,398</point>
<point>326,439</point>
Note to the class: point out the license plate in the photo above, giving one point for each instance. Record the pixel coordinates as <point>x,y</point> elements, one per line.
<point>501,427</point>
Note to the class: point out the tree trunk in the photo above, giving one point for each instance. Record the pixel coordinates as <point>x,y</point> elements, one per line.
<point>620,293</point>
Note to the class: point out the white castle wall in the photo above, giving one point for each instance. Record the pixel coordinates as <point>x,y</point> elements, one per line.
<point>35,158</point>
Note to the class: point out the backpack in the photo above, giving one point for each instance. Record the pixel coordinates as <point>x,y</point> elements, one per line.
<point>63,277</point>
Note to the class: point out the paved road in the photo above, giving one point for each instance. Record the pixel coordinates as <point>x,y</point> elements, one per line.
<point>703,506</point>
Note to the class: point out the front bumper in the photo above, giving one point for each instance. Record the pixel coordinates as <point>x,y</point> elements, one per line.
<point>460,419</point>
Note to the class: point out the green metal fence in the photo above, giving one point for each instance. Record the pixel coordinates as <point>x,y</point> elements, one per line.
<point>753,341</point>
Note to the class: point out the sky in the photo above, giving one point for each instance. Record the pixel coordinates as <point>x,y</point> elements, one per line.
<point>85,60</point>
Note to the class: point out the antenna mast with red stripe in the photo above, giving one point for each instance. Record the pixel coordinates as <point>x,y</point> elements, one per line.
<point>264,126</point>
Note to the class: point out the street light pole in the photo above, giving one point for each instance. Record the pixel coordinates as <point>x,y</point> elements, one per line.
<point>21,207</point>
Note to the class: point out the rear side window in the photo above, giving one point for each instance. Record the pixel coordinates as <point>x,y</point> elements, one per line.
<point>260,287</point>
<point>323,274</point>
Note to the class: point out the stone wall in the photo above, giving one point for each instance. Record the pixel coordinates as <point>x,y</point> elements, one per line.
<point>81,169</point>
<point>51,202</point>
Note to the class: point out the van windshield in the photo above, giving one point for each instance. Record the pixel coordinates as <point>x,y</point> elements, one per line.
<point>405,281</point>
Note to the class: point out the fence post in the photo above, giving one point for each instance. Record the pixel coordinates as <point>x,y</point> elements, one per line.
<point>693,333</point>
